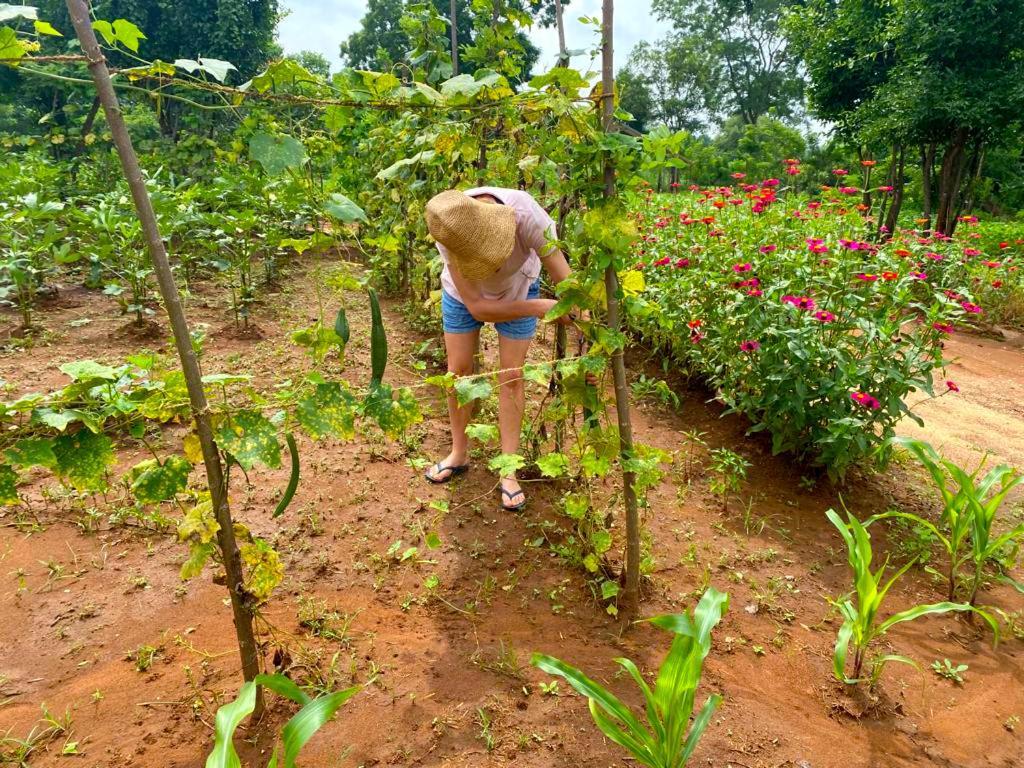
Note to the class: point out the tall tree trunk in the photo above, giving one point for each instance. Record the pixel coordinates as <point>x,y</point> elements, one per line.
<point>79,11</point>
<point>966,204</point>
<point>563,54</point>
<point>927,169</point>
<point>949,181</point>
<point>453,18</point>
<point>631,589</point>
<point>898,184</point>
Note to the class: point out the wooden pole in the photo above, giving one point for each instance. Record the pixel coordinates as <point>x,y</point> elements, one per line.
<point>563,55</point>
<point>631,591</point>
<point>453,17</point>
<point>80,18</point>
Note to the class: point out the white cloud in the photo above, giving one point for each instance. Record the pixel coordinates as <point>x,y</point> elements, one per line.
<point>321,25</point>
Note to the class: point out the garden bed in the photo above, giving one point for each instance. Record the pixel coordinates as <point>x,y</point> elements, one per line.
<point>452,685</point>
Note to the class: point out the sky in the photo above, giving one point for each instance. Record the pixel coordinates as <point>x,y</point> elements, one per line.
<point>320,25</point>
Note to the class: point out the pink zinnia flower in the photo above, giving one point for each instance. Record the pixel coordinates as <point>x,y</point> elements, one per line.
<point>750,345</point>
<point>662,261</point>
<point>919,275</point>
<point>865,400</point>
<point>823,316</point>
<point>974,309</point>
<point>866,277</point>
<point>972,252</point>
<point>768,248</point>
<point>840,172</point>
<point>738,175</point>
<point>770,183</point>
<point>682,263</point>
<point>742,267</point>
<point>792,170</point>
<point>943,327</point>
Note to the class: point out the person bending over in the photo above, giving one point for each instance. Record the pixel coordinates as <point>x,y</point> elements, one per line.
<point>494,243</point>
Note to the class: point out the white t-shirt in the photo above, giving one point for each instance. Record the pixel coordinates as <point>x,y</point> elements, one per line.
<point>534,229</point>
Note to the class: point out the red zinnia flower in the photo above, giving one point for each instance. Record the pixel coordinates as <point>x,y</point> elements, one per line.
<point>952,387</point>
<point>865,400</point>
<point>750,345</point>
<point>943,327</point>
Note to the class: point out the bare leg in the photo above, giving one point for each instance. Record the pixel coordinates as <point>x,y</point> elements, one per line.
<point>511,405</point>
<point>460,347</point>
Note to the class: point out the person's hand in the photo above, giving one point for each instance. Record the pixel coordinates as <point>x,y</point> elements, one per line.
<point>547,305</point>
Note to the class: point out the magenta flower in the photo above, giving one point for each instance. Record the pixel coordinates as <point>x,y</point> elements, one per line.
<point>840,172</point>
<point>823,316</point>
<point>919,275</point>
<point>682,263</point>
<point>768,248</point>
<point>750,345</point>
<point>770,183</point>
<point>972,252</point>
<point>943,327</point>
<point>865,400</point>
<point>800,302</point>
<point>952,387</point>
<point>662,261</point>
<point>974,309</point>
<point>849,190</point>
<point>866,277</point>
<point>742,267</point>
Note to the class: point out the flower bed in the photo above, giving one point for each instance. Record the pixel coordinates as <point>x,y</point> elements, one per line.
<point>797,320</point>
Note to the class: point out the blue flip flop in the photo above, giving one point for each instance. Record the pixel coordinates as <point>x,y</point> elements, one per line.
<point>512,495</point>
<point>452,472</point>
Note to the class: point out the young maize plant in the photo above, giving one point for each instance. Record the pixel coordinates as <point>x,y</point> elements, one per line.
<point>668,740</point>
<point>861,625</point>
<point>296,732</point>
<point>969,510</point>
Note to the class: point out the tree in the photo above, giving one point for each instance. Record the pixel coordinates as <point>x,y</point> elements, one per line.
<point>946,76</point>
<point>673,80</point>
<point>239,31</point>
<point>736,53</point>
<point>313,61</point>
<point>381,42</point>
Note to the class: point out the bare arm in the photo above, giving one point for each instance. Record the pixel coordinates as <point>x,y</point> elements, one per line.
<point>556,265</point>
<point>492,310</point>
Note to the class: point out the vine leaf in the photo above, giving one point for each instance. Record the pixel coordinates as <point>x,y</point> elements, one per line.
<point>128,34</point>
<point>83,459</point>
<point>153,482</point>
<point>328,411</point>
<point>485,433</point>
<point>263,566</point>
<point>250,438</point>
<point>32,452</point>
<point>394,412</point>
<point>343,209</point>
<point>8,485</point>
<point>469,389</point>
<point>8,12</point>
<point>506,464</point>
<point>276,153</point>
<point>553,465</point>
<point>88,371</point>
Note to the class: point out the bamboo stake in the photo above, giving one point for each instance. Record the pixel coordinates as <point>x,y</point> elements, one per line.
<point>80,18</point>
<point>631,589</point>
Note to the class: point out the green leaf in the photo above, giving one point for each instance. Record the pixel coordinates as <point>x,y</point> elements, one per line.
<point>250,438</point>
<point>283,686</point>
<point>470,388</point>
<point>161,482</point>
<point>10,46</point>
<point>276,153</point>
<point>553,464</point>
<point>343,209</point>
<point>432,540</point>
<point>263,567</point>
<point>83,458</point>
<point>46,28</point>
<point>330,410</point>
<point>128,34</point>
<point>394,412</point>
<point>484,433</point>
<point>217,68</point>
<point>506,464</point>
<point>229,717</point>
<point>88,370</point>
<point>309,720</point>
<point>32,452</point>
<point>59,420</point>
<point>106,31</point>
<point>8,485</point>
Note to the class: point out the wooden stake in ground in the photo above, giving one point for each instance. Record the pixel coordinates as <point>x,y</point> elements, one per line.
<point>79,11</point>
<point>631,591</point>
<point>453,17</point>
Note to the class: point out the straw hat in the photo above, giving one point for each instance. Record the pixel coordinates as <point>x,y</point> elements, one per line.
<point>478,236</point>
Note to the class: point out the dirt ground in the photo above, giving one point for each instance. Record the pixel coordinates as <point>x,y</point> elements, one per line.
<point>447,678</point>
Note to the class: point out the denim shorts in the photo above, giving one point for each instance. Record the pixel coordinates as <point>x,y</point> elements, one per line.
<point>455,318</point>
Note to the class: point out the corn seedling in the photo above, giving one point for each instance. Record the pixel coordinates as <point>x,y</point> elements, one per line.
<point>969,510</point>
<point>861,625</point>
<point>295,733</point>
<point>668,739</point>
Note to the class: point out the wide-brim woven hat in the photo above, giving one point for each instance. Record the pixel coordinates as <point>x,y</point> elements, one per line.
<point>478,236</point>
